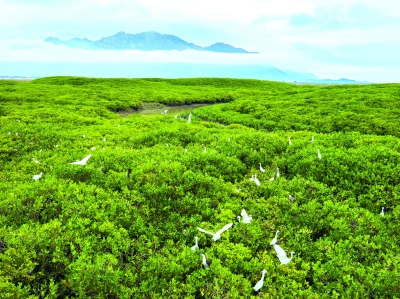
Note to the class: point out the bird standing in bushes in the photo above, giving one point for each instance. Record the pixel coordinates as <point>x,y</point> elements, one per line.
<point>204,260</point>
<point>319,155</point>
<point>273,177</point>
<point>261,168</point>
<point>281,254</point>
<point>189,118</point>
<point>290,141</point>
<point>37,176</point>
<point>83,161</point>
<point>246,218</point>
<point>255,180</point>
<point>292,198</point>
<point>278,174</point>
<point>164,112</point>
<point>260,283</point>
<point>383,212</point>
<point>275,239</point>
<point>217,235</point>
<point>196,245</point>
<point>34,160</point>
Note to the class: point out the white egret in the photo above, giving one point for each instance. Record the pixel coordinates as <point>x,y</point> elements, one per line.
<point>312,138</point>
<point>36,161</point>
<point>261,168</point>
<point>204,261</point>
<point>292,198</point>
<point>83,161</point>
<point>196,245</point>
<point>205,149</point>
<point>274,240</point>
<point>290,141</point>
<point>164,112</point>
<point>217,235</point>
<point>37,176</point>
<point>319,155</point>
<point>260,283</point>
<point>189,118</point>
<point>278,174</point>
<point>246,218</point>
<point>281,254</point>
<point>255,180</point>
<point>383,213</point>
<point>273,177</point>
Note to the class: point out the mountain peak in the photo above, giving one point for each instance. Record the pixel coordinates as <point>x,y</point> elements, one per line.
<point>145,41</point>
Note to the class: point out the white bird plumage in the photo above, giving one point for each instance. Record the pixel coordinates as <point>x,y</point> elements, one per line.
<point>261,168</point>
<point>83,161</point>
<point>217,235</point>
<point>246,218</point>
<point>260,283</point>
<point>164,112</point>
<point>204,260</point>
<point>292,198</point>
<point>189,118</point>
<point>205,149</point>
<point>275,239</point>
<point>319,155</point>
<point>196,245</point>
<point>278,174</point>
<point>255,180</point>
<point>273,177</point>
<point>37,176</point>
<point>281,254</point>
<point>34,160</point>
<point>382,212</point>
<point>290,141</point>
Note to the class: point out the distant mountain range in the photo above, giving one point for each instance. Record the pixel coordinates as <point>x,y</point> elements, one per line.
<point>145,41</point>
<point>19,69</point>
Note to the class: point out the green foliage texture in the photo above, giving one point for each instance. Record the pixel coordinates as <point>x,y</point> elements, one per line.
<point>122,225</point>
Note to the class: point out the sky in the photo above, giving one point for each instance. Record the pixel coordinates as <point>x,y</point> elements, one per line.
<point>357,39</point>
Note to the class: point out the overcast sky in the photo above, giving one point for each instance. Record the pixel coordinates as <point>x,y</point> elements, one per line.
<point>357,39</point>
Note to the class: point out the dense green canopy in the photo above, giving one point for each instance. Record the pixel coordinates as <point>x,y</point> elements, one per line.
<point>122,225</point>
